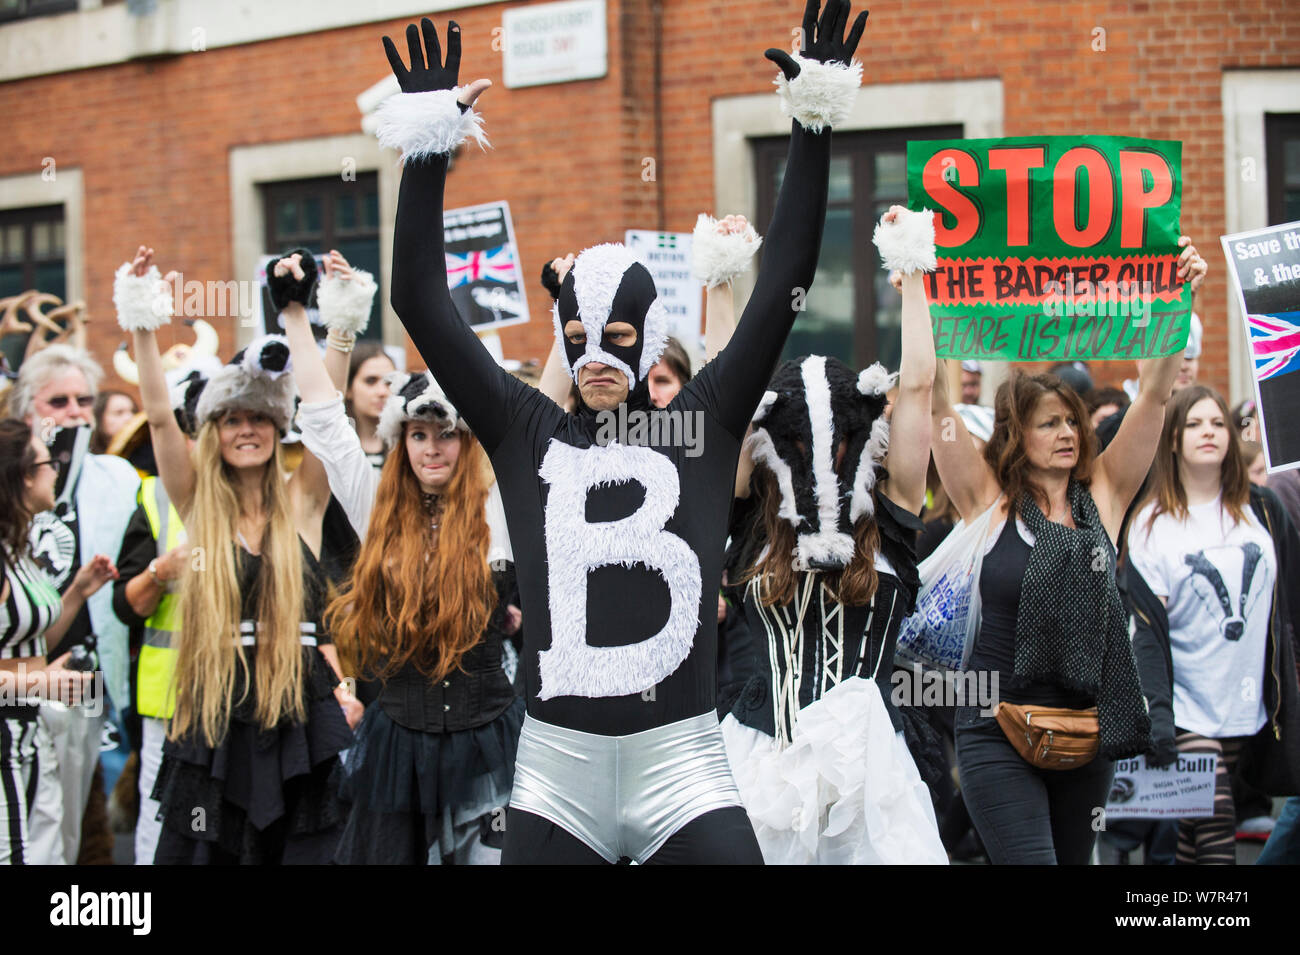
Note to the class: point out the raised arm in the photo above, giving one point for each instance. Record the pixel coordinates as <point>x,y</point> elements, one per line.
<point>818,90</point>
<point>344,297</point>
<point>908,458</point>
<point>428,119</point>
<point>721,249</point>
<point>1123,466</point>
<point>555,382</point>
<point>970,482</point>
<point>144,303</point>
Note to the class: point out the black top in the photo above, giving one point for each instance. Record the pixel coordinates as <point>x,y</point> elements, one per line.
<point>995,644</point>
<point>626,602</point>
<point>837,641</point>
<point>473,694</point>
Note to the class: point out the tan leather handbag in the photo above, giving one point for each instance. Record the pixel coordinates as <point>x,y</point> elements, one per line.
<point>1051,737</point>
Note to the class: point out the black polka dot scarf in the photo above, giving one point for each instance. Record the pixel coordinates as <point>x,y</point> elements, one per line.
<point>1072,629</point>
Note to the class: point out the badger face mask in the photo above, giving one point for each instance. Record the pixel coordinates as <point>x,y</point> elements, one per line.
<point>821,431</point>
<point>607,284</point>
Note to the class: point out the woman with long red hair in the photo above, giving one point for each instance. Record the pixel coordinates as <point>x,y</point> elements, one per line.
<point>421,616</point>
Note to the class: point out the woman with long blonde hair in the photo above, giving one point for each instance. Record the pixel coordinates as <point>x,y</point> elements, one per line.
<point>421,617</point>
<point>248,773</point>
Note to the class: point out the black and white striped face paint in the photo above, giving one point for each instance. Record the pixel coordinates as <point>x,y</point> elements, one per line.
<point>821,431</point>
<point>608,284</point>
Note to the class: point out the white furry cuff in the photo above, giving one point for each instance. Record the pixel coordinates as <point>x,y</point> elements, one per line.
<point>345,303</point>
<point>821,95</point>
<point>427,124</point>
<point>719,257</point>
<point>143,302</point>
<point>907,244</point>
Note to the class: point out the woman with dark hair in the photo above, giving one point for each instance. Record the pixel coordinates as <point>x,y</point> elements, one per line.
<point>365,396</point>
<point>1213,550</point>
<point>1053,629</point>
<point>113,410</point>
<point>421,616</point>
<point>32,617</point>
<point>817,751</point>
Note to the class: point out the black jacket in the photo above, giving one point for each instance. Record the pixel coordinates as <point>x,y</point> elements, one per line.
<point>1271,760</point>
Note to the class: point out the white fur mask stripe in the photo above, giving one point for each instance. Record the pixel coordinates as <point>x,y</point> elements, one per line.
<point>826,488</point>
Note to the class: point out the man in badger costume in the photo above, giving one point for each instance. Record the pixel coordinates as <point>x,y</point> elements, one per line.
<point>618,547</point>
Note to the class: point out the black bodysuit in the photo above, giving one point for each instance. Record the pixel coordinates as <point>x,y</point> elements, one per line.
<point>516,425</point>
<point>555,478</point>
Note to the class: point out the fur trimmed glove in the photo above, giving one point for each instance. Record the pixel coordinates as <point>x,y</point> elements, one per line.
<point>143,302</point>
<point>423,125</point>
<point>718,257</point>
<point>345,303</point>
<point>822,94</point>
<point>907,244</point>
<point>285,288</point>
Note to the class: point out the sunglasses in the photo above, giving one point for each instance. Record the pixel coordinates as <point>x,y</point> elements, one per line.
<point>59,402</point>
<point>54,464</point>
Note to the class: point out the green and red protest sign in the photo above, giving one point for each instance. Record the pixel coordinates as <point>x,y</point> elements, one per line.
<point>1053,247</point>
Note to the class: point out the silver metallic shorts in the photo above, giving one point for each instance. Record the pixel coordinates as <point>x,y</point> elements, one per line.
<point>623,795</point>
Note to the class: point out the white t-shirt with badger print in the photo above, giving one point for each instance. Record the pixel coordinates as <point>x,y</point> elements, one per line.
<point>1218,577</point>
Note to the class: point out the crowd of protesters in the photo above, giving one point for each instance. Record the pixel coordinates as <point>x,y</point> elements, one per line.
<point>339,612</point>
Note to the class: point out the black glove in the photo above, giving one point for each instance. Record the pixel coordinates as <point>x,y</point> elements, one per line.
<point>1162,753</point>
<point>421,78</point>
<point>822,41</point>
<point>551,280</point>
<point>285,288</point>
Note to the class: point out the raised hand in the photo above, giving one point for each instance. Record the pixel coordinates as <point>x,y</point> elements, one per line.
<point>1191,266</point>
<point>823,40</point>
<point>424,77</point>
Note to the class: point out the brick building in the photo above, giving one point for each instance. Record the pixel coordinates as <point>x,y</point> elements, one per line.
<point>219,131</point>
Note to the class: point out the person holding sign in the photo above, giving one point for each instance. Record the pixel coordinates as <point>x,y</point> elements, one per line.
<point>1208,553</point>
<point>618,546</point>
<point>1052,624</point>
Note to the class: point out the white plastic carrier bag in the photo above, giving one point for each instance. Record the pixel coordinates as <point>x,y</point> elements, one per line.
<point>941,631</point>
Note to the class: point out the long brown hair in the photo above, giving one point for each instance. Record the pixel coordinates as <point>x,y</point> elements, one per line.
<point>853,586</point>
<point>16,460</point>
<point>402,603</point>
<point>1167,487</point>
<point>1013,407</point>
<point>208,651</point>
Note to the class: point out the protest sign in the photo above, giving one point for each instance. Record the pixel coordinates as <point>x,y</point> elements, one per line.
<point>1053,247</point>
<point>483,266</point>
<point>1184,788</point>
<point>1265,265</point>
<point>668,257</point>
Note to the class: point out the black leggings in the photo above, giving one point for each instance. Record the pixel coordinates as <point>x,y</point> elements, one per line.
<point>720,837</point>
<point>1026,815</point>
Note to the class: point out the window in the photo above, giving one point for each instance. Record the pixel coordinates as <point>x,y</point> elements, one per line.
<point>323,214</point>
<point>1282,162</point>
<point>852,313</point>
<point>31,257</point>
<point>21,9</point>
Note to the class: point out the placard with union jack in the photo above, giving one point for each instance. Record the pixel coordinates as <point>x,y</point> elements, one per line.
<point>1266,266</point>
<point>483,270</point>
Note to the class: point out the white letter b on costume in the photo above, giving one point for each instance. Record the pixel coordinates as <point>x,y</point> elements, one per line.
<point>574,547</point>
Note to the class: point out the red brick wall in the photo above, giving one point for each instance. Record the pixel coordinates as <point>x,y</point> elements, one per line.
<point>153,138</point>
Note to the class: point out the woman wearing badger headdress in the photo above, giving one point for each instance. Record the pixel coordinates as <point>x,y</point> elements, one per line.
<point>248,772</point>
<point>832,573</point>
<point>423,614</point>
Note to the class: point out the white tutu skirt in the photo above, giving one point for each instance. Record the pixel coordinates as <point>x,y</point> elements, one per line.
<point>844,792</point>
